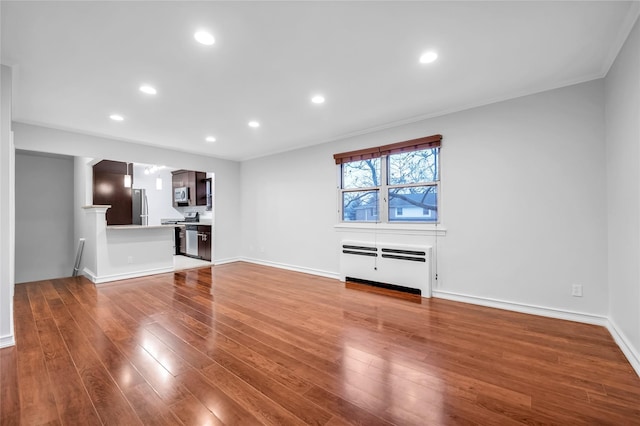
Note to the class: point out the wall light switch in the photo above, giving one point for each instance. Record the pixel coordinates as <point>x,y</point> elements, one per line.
<point>576,290</point>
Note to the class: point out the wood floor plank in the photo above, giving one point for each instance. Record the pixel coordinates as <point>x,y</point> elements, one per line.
<point>154,373</point>
<point>343,409</point>
<point>208,340</point>
<point>149,407</point>
<point>247,344</point>
<point>72,399</point>
<point>300,372</point>
<point>269,386</point>
<point>135,311</point>
<point>37,402</point>
<point>189,353</point>
<point>218,402</point>
<point>49,291</point>
<point>252,400</point>
<point>119,367</point>
<point>164,353</point>
<point>26,333</point>
<point>39,306</point>
<point>9,387</point>
<point>106,396</point>
<point>191,412</point>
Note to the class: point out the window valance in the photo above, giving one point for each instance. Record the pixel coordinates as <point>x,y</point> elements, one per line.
<point>433,141</point>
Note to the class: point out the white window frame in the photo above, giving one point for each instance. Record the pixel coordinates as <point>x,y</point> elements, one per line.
<point>383,195</point>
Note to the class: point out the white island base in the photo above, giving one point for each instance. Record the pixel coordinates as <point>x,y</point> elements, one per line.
<point>124,251</point>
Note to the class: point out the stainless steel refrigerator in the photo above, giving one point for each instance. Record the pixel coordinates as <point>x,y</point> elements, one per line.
<point>139,207</point>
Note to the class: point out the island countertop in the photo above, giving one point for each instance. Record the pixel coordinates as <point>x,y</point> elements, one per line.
<point>141,226</point>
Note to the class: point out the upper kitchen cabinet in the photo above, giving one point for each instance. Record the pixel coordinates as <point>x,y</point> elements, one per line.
<point>110,188</point>
<point>189,188</point>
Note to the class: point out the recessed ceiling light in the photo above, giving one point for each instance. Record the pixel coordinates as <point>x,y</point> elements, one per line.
<point>149,90</point>
<point>318,99</point>
<point>204,37</point>
<point>428,57</point>
<point>210,139</point>
<point>116,117</point>
<point>254,124</point>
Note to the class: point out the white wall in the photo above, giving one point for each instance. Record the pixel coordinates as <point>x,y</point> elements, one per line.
<point>83,195</point>
<point>160,200</point>
<point>45,221</point>
<point>523,184</point>
<point>288,209</point>
<point>227,220</point>
<point>623,191</point>
<point>7,203</point>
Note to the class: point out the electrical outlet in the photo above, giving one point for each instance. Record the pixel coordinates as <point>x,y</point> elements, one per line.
<point>130,259</point>
<point>576,290</point>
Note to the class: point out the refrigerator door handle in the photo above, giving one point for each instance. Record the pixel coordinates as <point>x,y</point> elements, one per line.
<point>145,210</point>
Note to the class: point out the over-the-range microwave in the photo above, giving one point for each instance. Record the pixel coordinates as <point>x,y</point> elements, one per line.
<point>181,195</point>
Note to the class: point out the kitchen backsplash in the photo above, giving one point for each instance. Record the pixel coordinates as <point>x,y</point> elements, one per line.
<point>205,216</point>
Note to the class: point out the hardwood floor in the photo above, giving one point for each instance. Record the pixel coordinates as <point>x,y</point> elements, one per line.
<point>246,344</point>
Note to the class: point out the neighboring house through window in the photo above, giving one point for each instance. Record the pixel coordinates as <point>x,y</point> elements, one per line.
<point>391,183</point>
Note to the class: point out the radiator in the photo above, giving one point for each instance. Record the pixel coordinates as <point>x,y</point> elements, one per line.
<point>406,266</point>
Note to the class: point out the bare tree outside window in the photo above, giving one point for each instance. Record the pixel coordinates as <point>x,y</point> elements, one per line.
<point>361,174</point>
<point>406,171</point>
<point>408,180</point>
<point>361,205</point>
<point>413,167</point>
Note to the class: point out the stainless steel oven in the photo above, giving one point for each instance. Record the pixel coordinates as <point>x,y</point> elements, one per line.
<point>191,232</point>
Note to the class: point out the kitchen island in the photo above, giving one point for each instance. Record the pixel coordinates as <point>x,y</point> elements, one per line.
<point>119,252</point>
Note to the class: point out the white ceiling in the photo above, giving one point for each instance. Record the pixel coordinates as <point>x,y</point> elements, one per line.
<point>75,63</point>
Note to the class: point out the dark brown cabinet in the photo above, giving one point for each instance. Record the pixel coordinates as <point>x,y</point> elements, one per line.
<point>204,242</point>
<point>196,184</point>
<point>109,189</point>
<point>182,240</point>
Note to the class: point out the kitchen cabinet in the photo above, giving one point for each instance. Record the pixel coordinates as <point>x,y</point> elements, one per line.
<point>182,240</point>
<point>109,189</point>
<point>196,184</point>
<point>204,242</point>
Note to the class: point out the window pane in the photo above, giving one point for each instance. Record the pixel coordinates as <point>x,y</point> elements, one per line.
<point>414,167</point>
<point>416,204</point>
<point>361,174</point>
<point>360,206</point>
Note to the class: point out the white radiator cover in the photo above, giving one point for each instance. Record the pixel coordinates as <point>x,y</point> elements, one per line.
<point>387,263</point>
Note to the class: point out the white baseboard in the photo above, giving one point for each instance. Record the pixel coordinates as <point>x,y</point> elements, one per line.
<point>310,271</point>
<point>7,341</point>
<point>625,345</point>
<point>227,260</point>
<point>88,273</point>
<point>116,277</point>
<point>523,308</point>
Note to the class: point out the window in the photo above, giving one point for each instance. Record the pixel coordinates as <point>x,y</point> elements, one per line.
<point>361,183</point>
<point>391,183</point>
